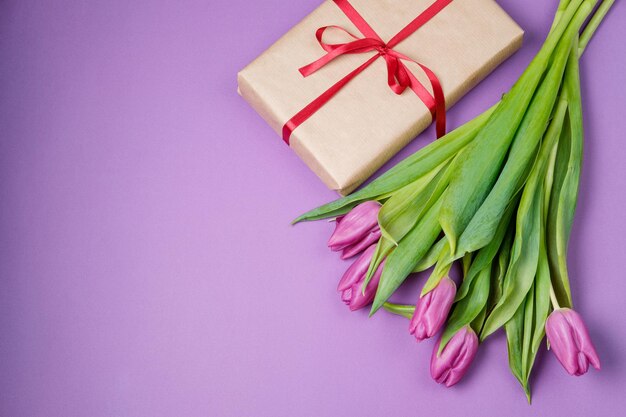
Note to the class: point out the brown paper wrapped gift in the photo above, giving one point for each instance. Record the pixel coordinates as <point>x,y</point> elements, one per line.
<point>366,123</point>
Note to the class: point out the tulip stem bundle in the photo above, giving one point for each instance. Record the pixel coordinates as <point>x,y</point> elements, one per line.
<point>497,194</point>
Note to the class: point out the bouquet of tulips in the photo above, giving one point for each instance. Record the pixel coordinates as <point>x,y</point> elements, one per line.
<point>498,195</point>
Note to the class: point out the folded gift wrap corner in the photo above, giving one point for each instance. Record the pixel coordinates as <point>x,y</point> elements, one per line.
<point>366,123</point>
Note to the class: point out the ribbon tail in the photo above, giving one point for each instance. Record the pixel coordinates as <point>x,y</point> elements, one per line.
<point>437,104</point>
<point>440,102</point>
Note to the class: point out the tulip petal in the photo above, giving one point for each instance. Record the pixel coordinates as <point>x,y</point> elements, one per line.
<point>570,341</point>
<point>357,270</point>
<point>359,299</point>
<point>432,310</point>
<point>346,295</point>
<point>354,225</point>
<point>450,366</point>
<point>582,337</point>
<point>560,335</point>
<point>370,238</point>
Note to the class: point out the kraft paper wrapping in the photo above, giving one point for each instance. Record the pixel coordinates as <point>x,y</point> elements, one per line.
<point>366,123</point>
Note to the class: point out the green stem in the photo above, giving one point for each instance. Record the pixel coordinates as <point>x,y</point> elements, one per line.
<point>559,12</point>
<point>593,24</point>
<point>555,303</point>
<point>400,309</point>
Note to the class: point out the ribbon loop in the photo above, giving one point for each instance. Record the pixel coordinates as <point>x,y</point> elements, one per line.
<point>319,35</point>
<point>399,78</point>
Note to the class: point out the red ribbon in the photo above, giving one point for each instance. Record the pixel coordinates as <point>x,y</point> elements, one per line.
<point>398,75</point>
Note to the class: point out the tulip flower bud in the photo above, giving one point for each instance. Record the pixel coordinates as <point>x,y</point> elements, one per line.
<point>432,309</point>
<point>352,281</point>
<point>449,367</point>
<point>570,341</point>
<point>357,230</point>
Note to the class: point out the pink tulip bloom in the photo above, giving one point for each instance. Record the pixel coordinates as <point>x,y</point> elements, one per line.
<point>432,309</point>
<point>570,341</point>
<point>455,359</point>
<point>352,281</point>
<point>357,230</point>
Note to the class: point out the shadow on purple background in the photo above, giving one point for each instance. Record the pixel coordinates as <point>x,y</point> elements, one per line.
<point>146,259</point>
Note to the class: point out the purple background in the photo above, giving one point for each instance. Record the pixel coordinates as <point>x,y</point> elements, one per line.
<point>147,265</point>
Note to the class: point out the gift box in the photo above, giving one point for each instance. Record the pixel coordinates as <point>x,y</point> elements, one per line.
<point>346,101</point>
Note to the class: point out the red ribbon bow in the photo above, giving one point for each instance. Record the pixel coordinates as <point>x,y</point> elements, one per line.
<point>398,75</point>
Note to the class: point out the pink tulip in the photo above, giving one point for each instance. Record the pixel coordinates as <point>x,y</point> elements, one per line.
<point>357,230</point>
<point>455,359</point>
<point>352,281</point>
<point>432,309</point>
<point>570,341</point>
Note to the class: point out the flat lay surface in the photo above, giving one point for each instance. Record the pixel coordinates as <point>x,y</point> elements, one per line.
<point>147,264</point>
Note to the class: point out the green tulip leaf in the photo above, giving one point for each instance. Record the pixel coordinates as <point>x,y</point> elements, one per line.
<point>565,186</point>
<point>514,329</point>
<point>383,248</point>
<point>500,267</point>
<point>410,250</point>
<point>430,258</point>
<point>485,256</point>
<point>466,262</point>
<point>484,224</point>
<point>526,329</point>
<point>479,321</point>
<point>441,269</point>
<point>405,172</point>
<point>466,310</point>
<point>480,162</point>
<point>405,207</point>
<point>525,251</point>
